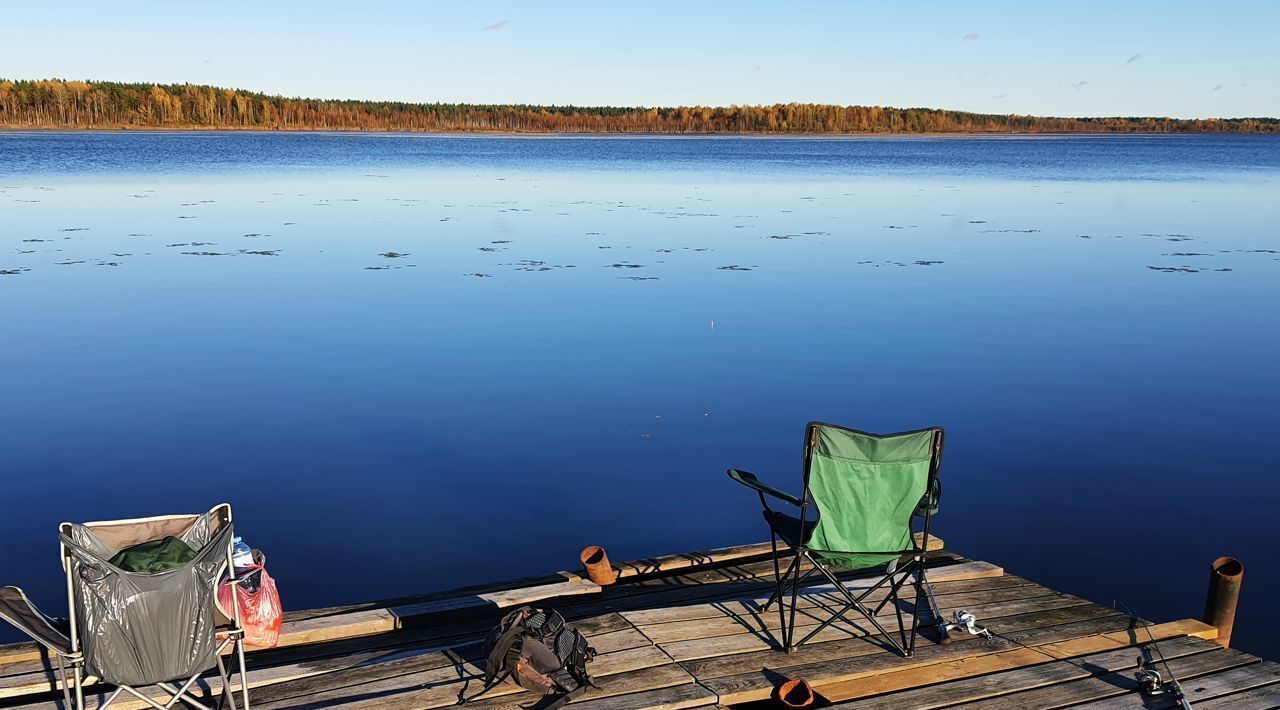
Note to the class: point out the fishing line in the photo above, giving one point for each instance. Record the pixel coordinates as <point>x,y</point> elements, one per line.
<point>1150,681</point>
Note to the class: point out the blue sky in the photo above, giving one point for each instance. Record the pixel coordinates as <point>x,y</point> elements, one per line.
<point>1078,58</point>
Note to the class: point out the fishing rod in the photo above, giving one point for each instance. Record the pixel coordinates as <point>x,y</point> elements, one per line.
<point>1150,682</point>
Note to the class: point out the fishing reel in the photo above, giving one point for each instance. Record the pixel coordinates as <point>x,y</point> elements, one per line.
<point>1149,680</point>
<point>1152,684</point>
<point>968,622</point>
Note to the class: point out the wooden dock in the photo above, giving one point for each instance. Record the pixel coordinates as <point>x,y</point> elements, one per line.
<point>686,631</point>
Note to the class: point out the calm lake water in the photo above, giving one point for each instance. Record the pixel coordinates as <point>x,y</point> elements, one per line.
<point>428,361</point>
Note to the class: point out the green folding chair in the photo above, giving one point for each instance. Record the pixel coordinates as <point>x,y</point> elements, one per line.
<point>861,493</point>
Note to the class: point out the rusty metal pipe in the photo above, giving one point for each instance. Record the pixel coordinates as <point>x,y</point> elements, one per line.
<point>598,567</point>
<point>796,694</point>
<point>1225,576</point>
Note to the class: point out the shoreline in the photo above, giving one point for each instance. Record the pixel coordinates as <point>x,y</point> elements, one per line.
<point>612,135</point>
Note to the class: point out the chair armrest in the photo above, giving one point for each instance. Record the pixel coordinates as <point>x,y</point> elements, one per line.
<point>18,610</point>
<point>749,480</point>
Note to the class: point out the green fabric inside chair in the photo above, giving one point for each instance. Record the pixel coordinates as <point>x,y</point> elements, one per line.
<point>154,556</point>
<point>866,488</point>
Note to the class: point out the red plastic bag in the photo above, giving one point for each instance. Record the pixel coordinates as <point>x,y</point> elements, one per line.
<point>261,615</point>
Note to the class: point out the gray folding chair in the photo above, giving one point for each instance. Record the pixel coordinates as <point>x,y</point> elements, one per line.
<point>133,630</point>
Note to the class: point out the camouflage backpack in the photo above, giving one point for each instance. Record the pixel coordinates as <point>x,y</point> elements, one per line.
<point>533,649</point>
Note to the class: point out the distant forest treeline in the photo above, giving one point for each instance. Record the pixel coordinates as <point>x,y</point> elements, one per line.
<point>78,104</point>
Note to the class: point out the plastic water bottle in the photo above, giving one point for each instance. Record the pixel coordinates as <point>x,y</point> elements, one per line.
<point>241,555</point>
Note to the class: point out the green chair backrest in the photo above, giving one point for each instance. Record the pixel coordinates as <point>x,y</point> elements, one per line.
<point>866,488</point>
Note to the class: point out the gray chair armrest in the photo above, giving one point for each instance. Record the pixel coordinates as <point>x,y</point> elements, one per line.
<point>749,480</point>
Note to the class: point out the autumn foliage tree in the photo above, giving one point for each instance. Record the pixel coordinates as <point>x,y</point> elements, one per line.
<point>56,103</point>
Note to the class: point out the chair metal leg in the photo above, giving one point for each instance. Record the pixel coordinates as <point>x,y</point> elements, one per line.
<point>228,695</point>
<point>789,630</point>
<point>179,694</point>
<point>65,681</point>
<point>895,584</point>
<point>244,673</point>
<point>921,583</point>
<point>902,627</point>
<point>111,698</point>
<point>854,603</point>
<point>77,666</point>
<point>779,577</point>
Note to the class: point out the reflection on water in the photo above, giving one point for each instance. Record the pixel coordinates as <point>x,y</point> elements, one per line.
<point>405,334</point>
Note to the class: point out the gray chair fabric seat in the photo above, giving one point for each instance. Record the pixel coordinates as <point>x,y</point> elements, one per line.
<point>17,609</point>
<point>789,528</point>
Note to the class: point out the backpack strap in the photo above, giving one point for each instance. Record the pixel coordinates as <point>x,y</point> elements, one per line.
<point>496,669</point>
<point>559,700</point>
<point>513,628</point>
<point>488,685</point>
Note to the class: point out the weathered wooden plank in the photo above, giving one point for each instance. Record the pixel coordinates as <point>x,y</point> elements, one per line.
<point>508,696</point>
<point>1109,684</point>
<point>464,591</point>
<point>378,675</point>
<point>1029,670</point>
<point>1264,698</point>
<point>891,681</point>
<point>827,651</point>
<point>698,587</point>
<point>758,683</point>
<point>1200,690</point>
<point>671,563</point>
<point>493,600</point>
<point>737,618</point>
<point>305,661</point>
<point>753,572</point>
<point>608,642</point>
<point>675,697</point>
<point>765,637</point>
<point>374,621</point>
<point>1056,640</point>
<point>331,628</point>
<point>1134,635</point>
<point>956,579</point>
<point>611,632</point>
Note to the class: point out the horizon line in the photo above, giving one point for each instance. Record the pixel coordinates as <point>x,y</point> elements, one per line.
<point>631,107</point>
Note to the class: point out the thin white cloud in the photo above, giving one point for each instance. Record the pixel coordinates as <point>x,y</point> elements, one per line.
<point>1133,58</point>
<point>973,36</point>
<point>495,26</point>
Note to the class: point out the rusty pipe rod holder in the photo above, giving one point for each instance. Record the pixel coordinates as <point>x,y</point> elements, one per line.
<point>797,694</point>
<point>599,570</point>
<point>1225,576</point>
